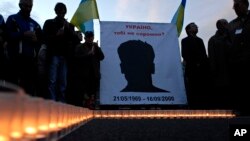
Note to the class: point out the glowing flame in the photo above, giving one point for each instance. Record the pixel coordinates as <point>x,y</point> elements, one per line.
<point>30,130</point>
<point>43,127</point>
<point>135,114</point>
<point>16,135</point>
<point>3,138</point>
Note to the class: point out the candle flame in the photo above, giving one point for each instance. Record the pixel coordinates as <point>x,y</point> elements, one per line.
<point>139,114</point>
<point>30,130</point>
<point>3,138</point>
<point>16,135</point>
<point>43,127</point>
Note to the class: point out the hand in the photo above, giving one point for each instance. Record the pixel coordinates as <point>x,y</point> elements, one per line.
<point>66,24</point>
<point>93,50</point>
<point>60,32</point>
<point>31,35</point>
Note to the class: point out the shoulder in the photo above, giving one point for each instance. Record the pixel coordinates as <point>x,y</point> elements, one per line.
<point>212,38</point>
<point>1,20</point>
<point>71,25</point>
<point>79,45</point>
<point>12,17</point>
<point>199,38</point>
<point>184,39</point>
<point>234,24</point>
<point>34,22</point>
<point>234,20</point>
<point>49,21</point>
<point>1,17</point>
<point>196,39</point>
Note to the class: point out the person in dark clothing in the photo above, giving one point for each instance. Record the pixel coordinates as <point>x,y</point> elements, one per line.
<point>240,56</point>
<point>196,67</point>
<point>218,52</point>
<point>71,79</point>
<point>24,37</point>
<point>2,49</point>
<point>87,71</point>
<point>42,75</point>
<point>59,35</point>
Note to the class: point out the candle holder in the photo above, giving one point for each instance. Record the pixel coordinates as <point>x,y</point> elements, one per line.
<point>7,107</point>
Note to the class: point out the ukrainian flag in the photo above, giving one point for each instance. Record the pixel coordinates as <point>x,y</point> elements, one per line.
<point>178,18</point>
<point>84,15</point>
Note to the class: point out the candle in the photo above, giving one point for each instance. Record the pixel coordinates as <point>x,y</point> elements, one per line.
<point>30,117</point>
<point>43,117</point>
<point>53,123</point>
<point>16,130</point>
<point>8,107</point>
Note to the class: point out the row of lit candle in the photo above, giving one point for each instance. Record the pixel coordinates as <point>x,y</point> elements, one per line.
<point>162,114</point>
<point>28,118</point>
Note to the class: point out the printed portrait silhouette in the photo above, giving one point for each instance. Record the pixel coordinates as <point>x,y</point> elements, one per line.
<point>137,65</point>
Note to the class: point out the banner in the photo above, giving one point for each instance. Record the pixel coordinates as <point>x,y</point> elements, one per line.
<point>142,64</point>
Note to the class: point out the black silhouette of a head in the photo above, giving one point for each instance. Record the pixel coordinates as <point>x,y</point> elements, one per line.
<point>137,64</point>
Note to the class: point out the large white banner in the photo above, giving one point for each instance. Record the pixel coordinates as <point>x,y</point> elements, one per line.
<point>142,64</point>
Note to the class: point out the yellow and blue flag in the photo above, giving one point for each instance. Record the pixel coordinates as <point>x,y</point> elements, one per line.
<point>178,18</point>
<point>84,15</point>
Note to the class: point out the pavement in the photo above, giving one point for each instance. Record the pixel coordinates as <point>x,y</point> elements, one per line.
<point>156,129</point>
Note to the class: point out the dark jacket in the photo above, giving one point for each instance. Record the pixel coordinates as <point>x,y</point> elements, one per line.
<point>88,63</point>
<point>194,54</point>
<point>58,45</point>
<point>2,37</point>
<point>218,52</point>
<point>240,31</point>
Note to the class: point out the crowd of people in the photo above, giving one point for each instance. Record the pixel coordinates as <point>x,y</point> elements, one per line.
<point>51,62</point>
<point>221,78</point>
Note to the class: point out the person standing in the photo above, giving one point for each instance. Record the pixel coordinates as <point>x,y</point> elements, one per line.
<point>240,56</point>
<point>196,66</point>
<point>218,51</point>
<point>24,37</point>
<point>59,37</point>
<point>87,71</point>
<point>2,50</point>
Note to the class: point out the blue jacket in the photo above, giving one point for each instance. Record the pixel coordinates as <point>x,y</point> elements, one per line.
<point>1,20</point>
<point>18,45</point>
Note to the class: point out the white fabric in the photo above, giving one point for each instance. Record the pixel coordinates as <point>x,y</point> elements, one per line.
<point>168,69</point>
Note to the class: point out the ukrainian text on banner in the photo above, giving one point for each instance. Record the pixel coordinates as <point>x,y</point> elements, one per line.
<point>142,64</point>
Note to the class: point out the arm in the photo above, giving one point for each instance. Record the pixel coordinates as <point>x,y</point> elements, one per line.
<point>13,29</point>
<point>211,54</point>
<point>184,50</point>
<point>49,34</point>
<point>99,53</point>
<point>2,30</point>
